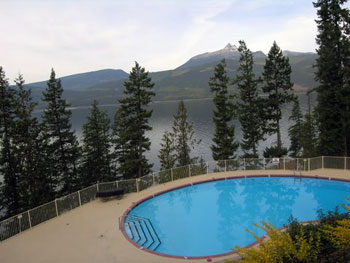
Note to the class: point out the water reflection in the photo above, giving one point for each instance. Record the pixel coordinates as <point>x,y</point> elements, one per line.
<point>243,202</point>
<point>212,218</point>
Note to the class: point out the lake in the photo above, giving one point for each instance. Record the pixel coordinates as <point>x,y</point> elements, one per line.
<point>200,113</point>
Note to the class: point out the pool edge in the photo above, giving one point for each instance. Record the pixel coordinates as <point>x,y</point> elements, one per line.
<point>134,204</point>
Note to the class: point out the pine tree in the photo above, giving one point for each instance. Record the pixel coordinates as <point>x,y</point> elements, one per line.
<point>182,137</point>
<point>224,145</point>
<point>333,67</point>
<point>250,104</point>
<point>294,131</point>
<point>308,139</point>
<point>28,146</point>
<point>97,158</point>
<point>10,201</point>
<point>62,149</point>
<point>131,125</point>
<point>309,133</point>
<point>120,141</point>
<point>166,153</point>
<point>278,87</point>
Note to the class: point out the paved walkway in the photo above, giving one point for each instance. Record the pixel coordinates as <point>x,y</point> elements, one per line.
<point>91,234</point>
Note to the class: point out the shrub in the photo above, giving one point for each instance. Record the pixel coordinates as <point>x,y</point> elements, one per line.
<point>275,151</point>
<point>281,248</point>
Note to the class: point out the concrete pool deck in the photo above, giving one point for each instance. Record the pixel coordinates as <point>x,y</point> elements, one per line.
<point>91,233</point>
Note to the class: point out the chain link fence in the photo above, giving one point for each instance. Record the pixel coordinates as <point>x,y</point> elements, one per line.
<point>28,219</point>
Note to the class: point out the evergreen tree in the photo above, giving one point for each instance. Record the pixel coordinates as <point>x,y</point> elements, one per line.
<point>224,145</point>
<point>120,142</point>
<point>309,133</point>
<point>28,147</point>
<point>97,158</point>
<point>10,201</point>
<point>182,137</point>
<point>62,149</point>
<point>131,125</point>
<point>166,153</point>
<point>249,105</point>
<point>333,75</point>
<point>308,139</point>
<point>294,131</point>
<point>278,87</point>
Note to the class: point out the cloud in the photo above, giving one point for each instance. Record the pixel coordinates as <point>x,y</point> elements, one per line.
<point>79,36</point>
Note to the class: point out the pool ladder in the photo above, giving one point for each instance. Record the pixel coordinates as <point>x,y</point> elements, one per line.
<point>141,231</point>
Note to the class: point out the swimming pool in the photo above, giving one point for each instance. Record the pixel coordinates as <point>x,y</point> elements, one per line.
<point>211,218</point>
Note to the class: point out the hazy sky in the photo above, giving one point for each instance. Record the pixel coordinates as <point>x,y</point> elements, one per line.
<point>74,36</point>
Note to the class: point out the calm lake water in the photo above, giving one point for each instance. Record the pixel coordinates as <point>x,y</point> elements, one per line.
<point>200,113</point>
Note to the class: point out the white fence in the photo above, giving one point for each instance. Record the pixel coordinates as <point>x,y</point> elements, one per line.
<point>28,219</point>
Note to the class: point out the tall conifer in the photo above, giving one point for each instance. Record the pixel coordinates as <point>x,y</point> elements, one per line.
<point>28,147</point>
<point>333,67</point>
<point>63,149</point>
<point>10,200</point>
<point>131,125</point>
<point>97,158</point>
<point>249,104</point>
<point>278,88</point>
<point>294,130</point>
<point>309,133</point>
<point>224,145</point>
<point>182,137</point>
<point>166,153</point>
<point>309,136</point>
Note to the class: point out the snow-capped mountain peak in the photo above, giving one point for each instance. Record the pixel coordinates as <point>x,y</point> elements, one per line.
<point>230,47</point>
<point>228,52</point>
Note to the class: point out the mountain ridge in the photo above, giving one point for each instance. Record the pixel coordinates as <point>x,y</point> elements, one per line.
<point>184,82</point>
<point>84,80</point>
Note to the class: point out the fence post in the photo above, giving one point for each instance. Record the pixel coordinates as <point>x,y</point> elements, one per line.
<point>345,163</point>
<point>137,184</point>
<point>117,182</point>
<point>171,174</point>
<point>297,164</point>
<point>189,170</point>
<point>97,187</point>
<point>244,164</point>
<point>30,220</point>
<point>79,198</point>
<point>264,162</point>
<point>207,167</point>
<point>153,178</point>
<point>225,166</point>
<point>322,162</point>
<point>19,217</point>
<point>56,207</point>
<point>309,159</point>
<point>284,163</point>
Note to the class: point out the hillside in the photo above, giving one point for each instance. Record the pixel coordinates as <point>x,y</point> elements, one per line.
<point>189,80</point>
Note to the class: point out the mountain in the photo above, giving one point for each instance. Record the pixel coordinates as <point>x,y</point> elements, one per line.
<point>76,87</point>
<point>289,53</point>
<point>83,81</point>
<point>228,52</point>
<point>188,81</point>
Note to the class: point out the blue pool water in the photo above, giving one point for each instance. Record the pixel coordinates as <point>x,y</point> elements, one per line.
<point>211,218</point>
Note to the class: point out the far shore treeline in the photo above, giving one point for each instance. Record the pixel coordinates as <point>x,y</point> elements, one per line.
<point>40,161</point>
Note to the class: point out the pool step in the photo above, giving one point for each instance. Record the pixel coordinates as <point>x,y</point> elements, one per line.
<point>141,230</point>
